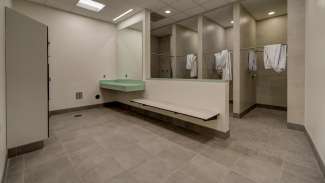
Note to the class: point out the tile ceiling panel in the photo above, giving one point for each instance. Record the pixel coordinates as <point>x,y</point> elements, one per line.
<point>222,16</point>
<point>163,31</point>
<point>181,9</point>
<point>260,8</point>
<point>191,23</point>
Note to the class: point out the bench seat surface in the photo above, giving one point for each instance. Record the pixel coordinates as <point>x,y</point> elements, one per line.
<point>193,112</point>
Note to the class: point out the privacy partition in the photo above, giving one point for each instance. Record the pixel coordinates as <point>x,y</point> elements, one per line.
<point>27,80</point>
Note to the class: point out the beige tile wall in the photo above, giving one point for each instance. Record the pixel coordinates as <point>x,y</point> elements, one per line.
<point>271,87</point>
<point>247,39</point>
<point>296,61</point>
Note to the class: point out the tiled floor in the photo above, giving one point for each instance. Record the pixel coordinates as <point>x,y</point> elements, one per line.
<point>113,146</point>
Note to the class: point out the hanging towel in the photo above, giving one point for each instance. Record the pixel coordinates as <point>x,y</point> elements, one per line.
<point>194,69</point>
<point>282,60</point>
<point>252,65</point>
<point>219,61</point>
<point>189,61</point>
<point>227,69</point>
<point>275,57</point>
<point>191,64</point>
<point>272,55</point>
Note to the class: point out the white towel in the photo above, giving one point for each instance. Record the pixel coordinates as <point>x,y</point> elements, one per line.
<point>275,57</point>
<point>191,64</point>
<point>282,60</point>
<point>194,69</point>
<point>227,69</point>
<point>252,65</point>
<point>219,61</point>
<point>189,60</point>
<point>272,55</point>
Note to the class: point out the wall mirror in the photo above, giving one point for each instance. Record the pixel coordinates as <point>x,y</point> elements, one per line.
<point>161,52</point>
<point>171,47</point>
<point>129,52</point>
<point>186,48</point>
<point>217,36</point>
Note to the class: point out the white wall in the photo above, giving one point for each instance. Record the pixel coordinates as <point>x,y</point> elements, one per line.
<point>129,54</point>
<point>3,135</point>
<point>314,77</point>
<point>208,99</point>
<point>82,50</point>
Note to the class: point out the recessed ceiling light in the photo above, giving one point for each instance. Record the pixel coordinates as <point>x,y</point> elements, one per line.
<point>232,22</point>
<point>271,13</point>
<point>123,14</point>
<point>90,5</point>
<point>168,11</point>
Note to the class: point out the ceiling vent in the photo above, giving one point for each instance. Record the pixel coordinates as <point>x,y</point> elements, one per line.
<point>155,17</point>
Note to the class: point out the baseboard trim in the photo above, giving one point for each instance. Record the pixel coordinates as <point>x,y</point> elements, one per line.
<point>273,107</point>
<point>62,111</point>
<point>265,106</point>
<point>297,127</point>
<point>236,115</point>
<point>315,151</point>
<point>16,151</point>
<point>177,122</point>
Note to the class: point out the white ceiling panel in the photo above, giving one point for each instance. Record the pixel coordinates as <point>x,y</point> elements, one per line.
<point>167,7</point>
<point>191,23</point>
<point>60,4</point>
<point>211,4</point>
<point>182,5</point>
<point>222,16</point>
<point>179,16</point>
<point>181,9</point>
<point>194,11</point>
<point>260,8</point>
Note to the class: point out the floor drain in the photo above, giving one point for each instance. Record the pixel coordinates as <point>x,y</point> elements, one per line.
<point>77,115</point>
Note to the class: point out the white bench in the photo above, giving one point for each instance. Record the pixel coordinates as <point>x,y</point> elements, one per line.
<point>201,114</point>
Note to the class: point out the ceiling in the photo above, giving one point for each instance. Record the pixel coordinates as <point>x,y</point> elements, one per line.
<point>260,8</point>
<point>222,16</point>
<point>181,9</point>
<point>190,23</point>
<point>163,31</point>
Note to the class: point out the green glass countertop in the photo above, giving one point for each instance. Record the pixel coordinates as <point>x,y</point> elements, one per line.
<point>124,85</point>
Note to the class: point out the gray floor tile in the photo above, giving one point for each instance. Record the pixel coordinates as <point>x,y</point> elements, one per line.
<point>234,177</point>
<point>259,169</point>
<point>111,145</point>
<point>16,165</point>
<point>181,177</point>
<point>303,172</point>
<point>131,156</point>
<point>15,178</point>
<point>153,170</point>
<point>203,169</point>
<point>106,169</point>
<point>57,170</point>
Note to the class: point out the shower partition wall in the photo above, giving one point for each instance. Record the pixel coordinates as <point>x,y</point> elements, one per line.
<point>217,36</point>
